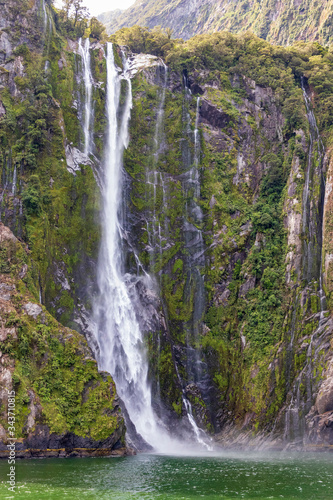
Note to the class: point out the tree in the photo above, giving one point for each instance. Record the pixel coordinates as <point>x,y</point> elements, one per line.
<point>97,29</point>
<point>75,11</point>
<point>80,12</point>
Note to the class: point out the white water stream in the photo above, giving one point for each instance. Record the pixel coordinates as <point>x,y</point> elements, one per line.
<point>301,404</point>
<point>121,348</point>
<point>314,137</point>
<point>87,78</point>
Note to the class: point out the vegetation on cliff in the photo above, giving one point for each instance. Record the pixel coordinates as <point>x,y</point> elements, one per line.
<point>282,23</point>
<point>58,390</point>
<point>53,208</point>
<point>254,131</point>
<point>250,331</point>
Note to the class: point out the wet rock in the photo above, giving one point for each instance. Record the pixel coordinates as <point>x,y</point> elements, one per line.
<point>146,302</point>
<point>212,202</point>
<point>7,332</point>
<point>196,89</point>
<point>6,234</point>
<point>245,229</point>
<point>200,411</point>
<point>324,401</point>
<point>247,286</point>
<point>75,158</point>
<point>215,117</point>
<point>23,271</point>
<point>5,291</point>
<point>2,109</point>
<point>320,430</point>
<point>42,439</point>
<point>33,310</point>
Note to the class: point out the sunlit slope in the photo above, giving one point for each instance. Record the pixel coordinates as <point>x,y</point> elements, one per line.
<point>281,22</point>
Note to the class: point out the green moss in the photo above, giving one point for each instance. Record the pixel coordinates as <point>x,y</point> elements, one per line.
<point>53,368</point>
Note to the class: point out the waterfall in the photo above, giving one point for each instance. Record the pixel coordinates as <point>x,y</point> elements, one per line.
<point>14,180</point>
<point>196,135</point>
<point>154,179</point>
<point>47,22</point>
<point>307,221</point>
<point>44,14</point>
<point>87,78</point>
<point>300,404</point>
<point>193,237</point>
<point>121,348</point>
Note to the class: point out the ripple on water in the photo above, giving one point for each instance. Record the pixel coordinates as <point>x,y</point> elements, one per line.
<point>230,476</point>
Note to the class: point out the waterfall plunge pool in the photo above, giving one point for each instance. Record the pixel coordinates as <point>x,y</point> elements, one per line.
<point>148,476</point>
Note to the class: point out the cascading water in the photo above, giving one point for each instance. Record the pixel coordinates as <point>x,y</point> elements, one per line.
<point>301,403</point>
<point>14,180</point>
<point>87,78</point>
<point>313,241</point>
<point>155,181</point>
<point>194,243</point>
<point>47,26</point>
<point>44,13</point>
<point>121,347</point>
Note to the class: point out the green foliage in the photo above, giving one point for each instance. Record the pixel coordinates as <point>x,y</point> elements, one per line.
<point>31,196</point>
<point>292,21</point>
<point>96,29</point>
<point>53,366</point>
<point>72,19</point>
<point>155,41</point>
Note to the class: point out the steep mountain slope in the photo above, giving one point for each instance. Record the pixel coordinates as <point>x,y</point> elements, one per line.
<point>281,22</point>
<point>225,169</point>
<point>226,231</point>
<point>63,402</point>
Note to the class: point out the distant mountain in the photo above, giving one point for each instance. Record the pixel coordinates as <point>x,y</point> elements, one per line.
<point>279,21</point>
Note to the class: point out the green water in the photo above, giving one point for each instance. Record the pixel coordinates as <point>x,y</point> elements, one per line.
<point>152,476</point>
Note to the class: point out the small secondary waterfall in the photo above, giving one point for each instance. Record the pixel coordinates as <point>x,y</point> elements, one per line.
<point>14,180</point>
<point>44,13</point>
<point>301,403</point>
<point>155,180</point>
<point>313,241</point>
<point>121,347</point>
<point>87,78</point>
<point>194,243</point>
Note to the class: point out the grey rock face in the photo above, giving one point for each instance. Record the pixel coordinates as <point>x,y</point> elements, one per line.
<point>33,310</point>
<point>75,158</point>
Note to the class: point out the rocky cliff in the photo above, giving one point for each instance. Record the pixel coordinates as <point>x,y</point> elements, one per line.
<point>63,405</point>
<point>226,232</point>
<point>283,22</point>
<point>48,198</point>
<point>228,208</point>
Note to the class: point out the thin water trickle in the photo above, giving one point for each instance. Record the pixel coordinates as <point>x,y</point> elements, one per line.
<point>44,13</point>
<point>193,238</point>
<point>14,180</point>
<point>300,404</point>
<point>154,179</point>
<point>87,78</point>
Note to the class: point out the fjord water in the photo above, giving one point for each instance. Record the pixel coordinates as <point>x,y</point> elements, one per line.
<point>290,477</point>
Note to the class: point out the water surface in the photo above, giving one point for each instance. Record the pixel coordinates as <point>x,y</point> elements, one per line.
<point>163,477</point>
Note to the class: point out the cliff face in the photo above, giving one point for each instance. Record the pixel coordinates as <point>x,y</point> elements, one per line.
<point>227,208</point>
<point>226,233</point>
<point>63,405</point>
<point>48,198</point>
<point>282,22</point>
